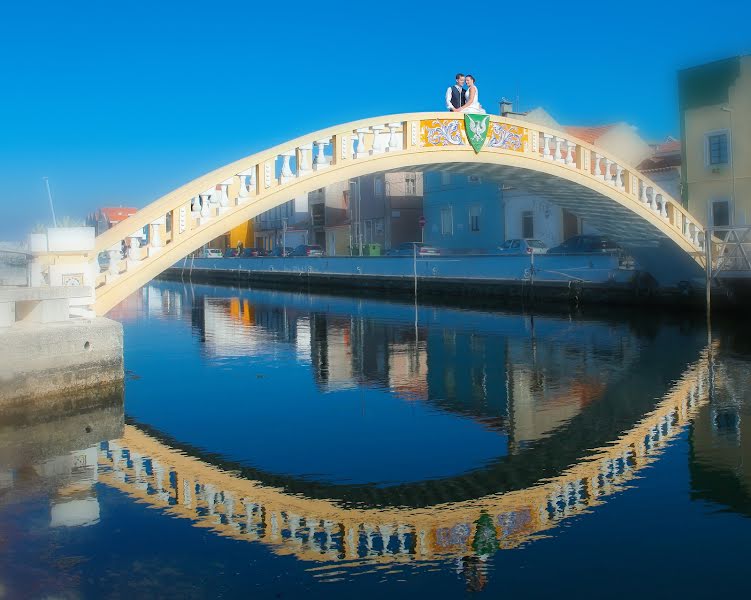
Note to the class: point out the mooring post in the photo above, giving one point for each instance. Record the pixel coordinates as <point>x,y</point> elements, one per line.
<point>708,268</point>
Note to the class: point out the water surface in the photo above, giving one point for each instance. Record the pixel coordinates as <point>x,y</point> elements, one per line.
<point>274,443</point>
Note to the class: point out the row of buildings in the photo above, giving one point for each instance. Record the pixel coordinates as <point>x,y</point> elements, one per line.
<point>455,212</point>
<point>709,168</point>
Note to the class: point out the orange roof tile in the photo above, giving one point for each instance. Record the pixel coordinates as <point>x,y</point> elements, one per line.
<point>588,134</point>
<point>669,147</point>
<point>115,214</point>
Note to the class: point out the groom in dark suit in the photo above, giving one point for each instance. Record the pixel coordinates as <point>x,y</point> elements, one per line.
<point>456,95</point>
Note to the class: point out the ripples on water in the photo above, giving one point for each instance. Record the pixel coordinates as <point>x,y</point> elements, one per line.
<point>276,442</point>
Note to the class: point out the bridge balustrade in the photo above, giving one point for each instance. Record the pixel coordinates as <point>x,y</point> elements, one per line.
<point>212,204</point>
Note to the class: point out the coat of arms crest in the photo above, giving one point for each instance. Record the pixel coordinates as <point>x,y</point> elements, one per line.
<point>477,130</point>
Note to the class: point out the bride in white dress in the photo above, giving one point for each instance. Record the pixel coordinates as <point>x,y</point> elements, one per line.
<point>473,99</point>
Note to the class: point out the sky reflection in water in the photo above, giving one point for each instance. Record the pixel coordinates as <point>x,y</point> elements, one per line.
<point>275,441</point>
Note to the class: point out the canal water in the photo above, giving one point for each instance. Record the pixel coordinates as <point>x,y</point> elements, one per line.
<point>276,444</point>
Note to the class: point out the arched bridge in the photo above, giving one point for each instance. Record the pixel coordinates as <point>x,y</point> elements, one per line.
<point>613,197</point>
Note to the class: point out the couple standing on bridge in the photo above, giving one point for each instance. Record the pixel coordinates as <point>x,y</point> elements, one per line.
<point>459,99</point>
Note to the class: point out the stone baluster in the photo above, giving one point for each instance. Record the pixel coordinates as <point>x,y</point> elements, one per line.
<point>386,532</point>
<point>115,256</point>
<point>243,194</point>
<point>571,153</point>
<point>619,177</point>
<point>361,152</point>
<point>396,141</point>
<point>558,155</point>
<point>546,146</point>
<point>134,248</point>
<point>274,522</point>
<point>303,160</point>
<point>286,174</point>
<point>351,544</point>
<point>694,234</point>
<point>643,197</point>
<point>155,234</point>
<point>378,139</point>
<point>320,161</point>
<point>598,170</point>
<point>663,206</point>
<point>205,210</point>
<point>187,495</point>
<point>653,200</point>
<point>328,530</point>
<point>223,197</point>
<point>608,176</point>
<point>195,207</point>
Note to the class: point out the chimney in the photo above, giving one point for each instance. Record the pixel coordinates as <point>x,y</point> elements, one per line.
<point>506,107</point>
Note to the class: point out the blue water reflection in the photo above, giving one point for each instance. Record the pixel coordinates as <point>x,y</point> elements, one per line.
<point>284,444</point>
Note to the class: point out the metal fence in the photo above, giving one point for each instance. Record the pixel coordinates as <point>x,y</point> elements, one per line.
<point>731,252</point>
<point>14,268</point>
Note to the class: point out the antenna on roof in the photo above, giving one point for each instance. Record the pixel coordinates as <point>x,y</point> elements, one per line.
<point>49,195</point>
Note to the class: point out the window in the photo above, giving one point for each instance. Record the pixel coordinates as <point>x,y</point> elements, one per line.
<point>378,187</point>
<point>447,221</point>
<point>410,184</point>
<point>474,218</point>
<point>528,224</point>
<point>717,148</point>
<point>721,213</point>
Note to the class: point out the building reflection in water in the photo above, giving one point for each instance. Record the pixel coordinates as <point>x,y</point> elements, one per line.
<point>525,377</point>
<point>500,370</point>
<point>44,453</point>
<point>720,434</point>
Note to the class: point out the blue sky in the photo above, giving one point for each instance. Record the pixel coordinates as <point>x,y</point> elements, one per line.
<point>118,103</point>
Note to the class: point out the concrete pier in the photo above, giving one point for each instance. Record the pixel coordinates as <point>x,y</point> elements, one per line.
<point>46,355</point>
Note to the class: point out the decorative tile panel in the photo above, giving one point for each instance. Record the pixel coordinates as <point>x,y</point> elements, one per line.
<point>442,132</point>
<point>507,137</point>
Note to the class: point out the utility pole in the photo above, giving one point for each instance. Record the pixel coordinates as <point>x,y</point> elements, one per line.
<point>49,195</point>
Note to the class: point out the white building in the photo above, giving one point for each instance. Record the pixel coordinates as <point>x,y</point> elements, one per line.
<point>529,215</point>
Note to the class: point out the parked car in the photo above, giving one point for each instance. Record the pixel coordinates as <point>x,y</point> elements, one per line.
<point>230,253</point>
<point>279,251</point>
<point>254,252</point>
<point>587,244</point>
<point>408,249</point>
<point>308,250</point>
<point>211,253</point>
<point>522,246</point>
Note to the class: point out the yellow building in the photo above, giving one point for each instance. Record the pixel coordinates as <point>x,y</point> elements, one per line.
<point>715,107</point>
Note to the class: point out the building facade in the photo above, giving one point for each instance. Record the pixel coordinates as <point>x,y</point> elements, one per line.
<point>463,213</point>
<point>715,110</point>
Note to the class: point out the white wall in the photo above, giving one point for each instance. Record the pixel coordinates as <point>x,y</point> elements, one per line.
<point>548,218</point>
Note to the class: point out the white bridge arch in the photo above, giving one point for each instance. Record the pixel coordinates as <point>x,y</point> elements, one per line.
<point>612,196</point>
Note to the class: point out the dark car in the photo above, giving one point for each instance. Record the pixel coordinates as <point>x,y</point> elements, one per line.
<point>587,244</point>
<point>408,249</point>
<point>230,253</point>
<point>279,251</point>
<point>253,252</point>
<point>308,250</point>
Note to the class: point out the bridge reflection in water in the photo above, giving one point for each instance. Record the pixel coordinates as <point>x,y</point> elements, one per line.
<point>565,390</point>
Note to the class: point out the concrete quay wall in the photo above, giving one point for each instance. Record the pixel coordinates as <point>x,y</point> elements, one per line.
<point>47,363</point>
<point>555,279</point>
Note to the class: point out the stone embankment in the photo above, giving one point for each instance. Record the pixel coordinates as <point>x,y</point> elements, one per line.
<point>46,356</point>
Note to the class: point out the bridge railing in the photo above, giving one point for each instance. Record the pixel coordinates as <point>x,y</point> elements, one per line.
<point>199,205</point>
